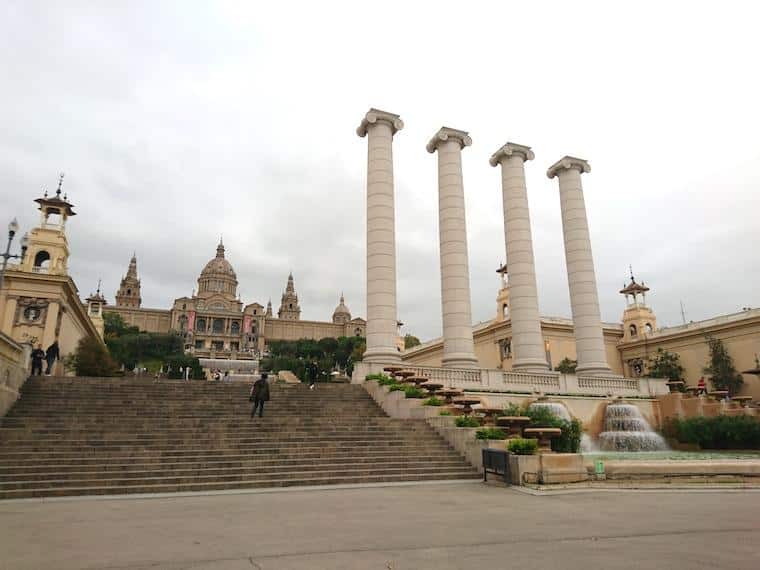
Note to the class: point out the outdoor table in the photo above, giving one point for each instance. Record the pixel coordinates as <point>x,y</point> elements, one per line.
<point>742,400</point>
<point>489,413</point>
<point>466,404</point>
<point>514,424</point>
<point>718,394</point>
<point>431,387</point>
<point>404,374</point>
<point>544,436</point>
<point>416,380</point>
<point>449,394</point>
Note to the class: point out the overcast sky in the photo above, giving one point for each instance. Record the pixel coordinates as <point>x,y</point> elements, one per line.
<point>176,122</point>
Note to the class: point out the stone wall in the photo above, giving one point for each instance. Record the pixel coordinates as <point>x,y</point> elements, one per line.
<point>14,362</point>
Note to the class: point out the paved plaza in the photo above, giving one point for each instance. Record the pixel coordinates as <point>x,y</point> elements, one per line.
<point>441,526</point>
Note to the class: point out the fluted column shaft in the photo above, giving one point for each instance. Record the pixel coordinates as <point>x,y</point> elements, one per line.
<point>380,127</point>
<point>527,339</point>
<point>581,277</point>
<point>458,346</point>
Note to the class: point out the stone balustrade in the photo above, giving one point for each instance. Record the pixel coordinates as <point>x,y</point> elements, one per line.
<point>14,362</point>
<point>494,380</point>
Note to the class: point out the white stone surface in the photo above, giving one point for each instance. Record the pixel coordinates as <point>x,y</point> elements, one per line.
<point>527,341</point>
<point>379,127</point>
<point>584,300</point>
<point>458,346</point>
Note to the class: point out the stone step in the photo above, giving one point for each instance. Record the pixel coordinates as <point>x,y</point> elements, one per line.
<point>361,456</point>
<point>104,436</point>
<point>296,480</point>
<point>15,481</point>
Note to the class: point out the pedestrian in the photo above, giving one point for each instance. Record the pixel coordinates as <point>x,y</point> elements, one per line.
<point>259,394</point>
<point>226,375</point>
<point>701,386</point>
<point>312,370</point>
<point>38,355</point>
<point>51,355</point>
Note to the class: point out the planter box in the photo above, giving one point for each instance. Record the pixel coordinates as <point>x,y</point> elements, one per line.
<point>524,468</point>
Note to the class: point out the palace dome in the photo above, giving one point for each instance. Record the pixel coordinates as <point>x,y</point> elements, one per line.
<point>218,276</point>
<point>341,315</point>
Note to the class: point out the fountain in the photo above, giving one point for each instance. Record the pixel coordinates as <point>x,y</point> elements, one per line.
<point>557,408</point>
<point>625,429</point>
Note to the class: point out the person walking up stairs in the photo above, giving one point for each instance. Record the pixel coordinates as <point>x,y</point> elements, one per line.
<point>259,394</point>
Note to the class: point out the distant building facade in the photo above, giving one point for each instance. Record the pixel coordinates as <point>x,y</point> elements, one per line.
<point>214,322</point>
<point>629,345</point>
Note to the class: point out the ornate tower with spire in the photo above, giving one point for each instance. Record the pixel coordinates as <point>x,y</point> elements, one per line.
<point>129,290</point>
<point>502,297</point>
<point>48,248</point>
<point>95,304</point>
<point>269,309</point>
<point>289,309</point>
<point>638,319</point>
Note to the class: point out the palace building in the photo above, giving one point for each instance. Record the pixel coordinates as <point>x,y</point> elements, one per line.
<point>214,321</point>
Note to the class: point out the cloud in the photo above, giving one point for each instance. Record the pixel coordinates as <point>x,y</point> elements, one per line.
<point>179,122</point>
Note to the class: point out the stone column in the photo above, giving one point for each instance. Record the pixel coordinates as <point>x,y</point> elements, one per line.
<point>527,340</point>
<point>458,346</point>
<point>381,236</point>
<point>584,301</point>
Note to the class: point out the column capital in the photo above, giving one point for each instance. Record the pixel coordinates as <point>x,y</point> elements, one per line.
<point>445,134</point>
<point>567,163</point>
<point>376,115</point>
<point>511,149</point>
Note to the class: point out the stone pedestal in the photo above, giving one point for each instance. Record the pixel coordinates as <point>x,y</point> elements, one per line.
<point>581,276</point>
<point>527,340</point>
<point>379,127</point>
<point>458,346</point>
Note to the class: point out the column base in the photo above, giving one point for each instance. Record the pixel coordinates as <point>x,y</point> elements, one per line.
<point>531,365</point>
<point>594,369</point>
<point>460,361</point>
<point>382,355</point>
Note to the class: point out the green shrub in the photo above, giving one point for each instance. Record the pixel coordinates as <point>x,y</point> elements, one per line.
<point>720,432</point>
<point>396,387</point>
<point>387,382</point>
<point>378,377</point>
<point>520,446</point>
<point>490,433</point>
<point>467,421</point>
<point>444,413</point>
<point>433,401</point>
<point>569,441</point>
<point>91,358</point>
<point>414,392</point>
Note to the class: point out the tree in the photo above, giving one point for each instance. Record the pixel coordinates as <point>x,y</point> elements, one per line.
<point>567,366</point>
<point>91,358</point>
<point>667,365</point>
<point>721,368</point>
<point>411,341</point>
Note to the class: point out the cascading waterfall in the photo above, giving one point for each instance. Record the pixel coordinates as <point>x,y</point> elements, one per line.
<point>625,429</point>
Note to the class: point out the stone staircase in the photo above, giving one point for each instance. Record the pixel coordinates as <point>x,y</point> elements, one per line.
<point>83,436</point>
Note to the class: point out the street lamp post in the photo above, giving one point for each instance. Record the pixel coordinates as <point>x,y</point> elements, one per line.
<point>12,230</point>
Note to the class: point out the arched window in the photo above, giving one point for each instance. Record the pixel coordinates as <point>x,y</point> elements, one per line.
<point>648,328</point>
<point>184,306</point>
<point>129,291</point>
<point>41,260</point>
<point>290,306</point>
<point>235,328</point>
<point>358,332</point>
<point>218,325</point>
<point>505,310</point>
<point>200,325</point>
<point>633,330</point>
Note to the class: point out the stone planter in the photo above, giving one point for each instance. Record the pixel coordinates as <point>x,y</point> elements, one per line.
<point>524,468</point>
